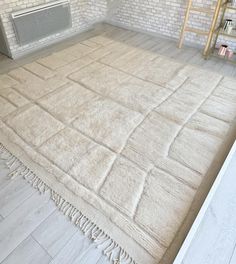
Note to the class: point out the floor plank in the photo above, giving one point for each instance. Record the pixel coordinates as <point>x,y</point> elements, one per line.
<point>233,257</point>
<point>91,256</point>
<point>22,221</point>
<point>28,252</point>
<point>4,180</point>
<point>215,239</point>
<point>51,230</point>
<point>13,194</point>
<point>54,233</point>
<point>80,250</point>
<point>76,247</point>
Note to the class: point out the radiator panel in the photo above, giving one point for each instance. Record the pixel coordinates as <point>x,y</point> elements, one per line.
<point>41,22</point>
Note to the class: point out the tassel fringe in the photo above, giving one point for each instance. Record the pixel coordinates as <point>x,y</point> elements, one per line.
<point>110,248</point>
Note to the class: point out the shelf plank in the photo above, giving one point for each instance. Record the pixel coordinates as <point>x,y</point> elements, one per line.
<point>197,31</point>
<point>202,10</point>
<point>232,7</point>
<point>224,33</point>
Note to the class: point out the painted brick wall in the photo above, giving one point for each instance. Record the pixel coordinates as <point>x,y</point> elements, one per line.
<point>163,17</point>
<point>84,14</point>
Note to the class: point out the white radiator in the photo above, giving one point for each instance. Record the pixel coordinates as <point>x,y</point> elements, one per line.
<point>38,22</point>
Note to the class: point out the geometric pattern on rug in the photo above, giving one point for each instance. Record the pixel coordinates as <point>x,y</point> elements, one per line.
<point>131,132</point>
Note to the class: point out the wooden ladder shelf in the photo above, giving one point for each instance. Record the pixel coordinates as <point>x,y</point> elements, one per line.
<point>215,28</point>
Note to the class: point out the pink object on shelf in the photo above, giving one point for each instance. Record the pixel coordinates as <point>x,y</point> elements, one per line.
<point>229,54</point>
<point>223,49</point>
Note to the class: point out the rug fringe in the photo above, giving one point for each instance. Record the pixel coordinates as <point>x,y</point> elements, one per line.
<point>115,253</point>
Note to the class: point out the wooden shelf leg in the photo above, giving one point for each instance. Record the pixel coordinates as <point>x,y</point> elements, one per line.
<point>212,29</point>
<point>185,24</point>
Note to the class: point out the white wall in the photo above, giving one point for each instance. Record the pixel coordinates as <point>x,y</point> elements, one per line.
<point>84,14</point>
<point>163,17</point>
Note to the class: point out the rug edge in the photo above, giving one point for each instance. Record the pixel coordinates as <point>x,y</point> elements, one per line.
<point>111,249</point>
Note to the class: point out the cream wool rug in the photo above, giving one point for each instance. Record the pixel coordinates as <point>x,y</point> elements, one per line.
<point>121,136</point>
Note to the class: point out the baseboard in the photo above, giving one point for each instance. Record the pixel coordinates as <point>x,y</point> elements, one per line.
<point>153,34</point>
<point>46,44</point>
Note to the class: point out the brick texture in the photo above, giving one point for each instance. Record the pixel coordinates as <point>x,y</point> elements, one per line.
<point>84,14</point>
<point>163,17</point>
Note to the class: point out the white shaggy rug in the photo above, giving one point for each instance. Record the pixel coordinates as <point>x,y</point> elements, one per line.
<point>121,136</point>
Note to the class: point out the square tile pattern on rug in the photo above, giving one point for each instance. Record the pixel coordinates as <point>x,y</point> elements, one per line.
<point>132,131</point>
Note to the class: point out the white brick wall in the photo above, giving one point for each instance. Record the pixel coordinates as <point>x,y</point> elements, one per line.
<point>155,16</point>
<point>161,16</point>
<point>84,14</point>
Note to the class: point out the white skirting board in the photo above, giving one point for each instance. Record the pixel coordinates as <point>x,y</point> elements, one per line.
<point>153,34</point>
<point>198,239</point>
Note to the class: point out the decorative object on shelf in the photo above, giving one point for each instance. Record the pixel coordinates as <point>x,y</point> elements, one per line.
<point>225,27</point>
<point>229,54</point>
<point>228,26</point>
<point>233,2</point>
<point>220,26</point>
<point>222,50</point>
<point>230,29</point>
<point>225,52</point>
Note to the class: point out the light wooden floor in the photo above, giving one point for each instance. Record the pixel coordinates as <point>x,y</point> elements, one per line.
<point>167,48</point>
<point>33,231</point>
<point>31,228</point>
